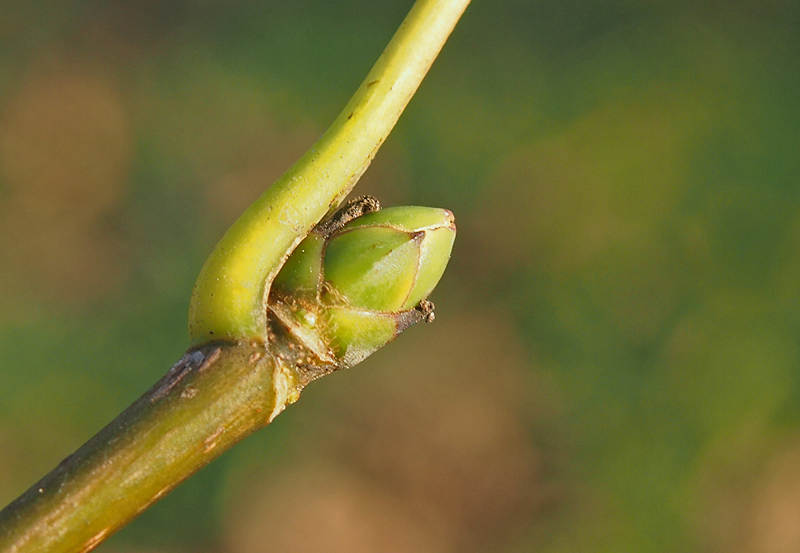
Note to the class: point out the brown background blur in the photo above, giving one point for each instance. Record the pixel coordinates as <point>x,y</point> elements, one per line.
<point>614,364</point>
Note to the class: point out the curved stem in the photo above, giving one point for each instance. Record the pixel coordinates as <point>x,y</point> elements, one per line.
<point>229,296</point>
<point>233,384</point>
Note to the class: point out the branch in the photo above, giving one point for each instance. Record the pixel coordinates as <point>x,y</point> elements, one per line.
<point>252,351</point>
<point>230,293</point>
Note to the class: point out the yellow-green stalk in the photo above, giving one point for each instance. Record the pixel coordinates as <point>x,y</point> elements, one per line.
<point>249,359</point>
<point>229,296</point>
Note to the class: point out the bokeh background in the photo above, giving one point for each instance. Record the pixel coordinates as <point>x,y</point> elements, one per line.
<point>615,362</point>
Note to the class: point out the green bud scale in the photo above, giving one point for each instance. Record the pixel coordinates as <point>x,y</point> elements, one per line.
<point>348,289</point>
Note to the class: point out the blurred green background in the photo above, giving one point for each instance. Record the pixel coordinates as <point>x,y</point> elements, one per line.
<point>614,364</point>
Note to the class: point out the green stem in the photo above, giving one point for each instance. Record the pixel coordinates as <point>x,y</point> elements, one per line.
<point>230,293</point>
<point>231,383</point>
<point>209,400</point>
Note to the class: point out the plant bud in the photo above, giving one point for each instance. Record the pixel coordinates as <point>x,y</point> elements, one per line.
<point>389,260</point>
<point>300,275</point>
<point>355,290</point>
